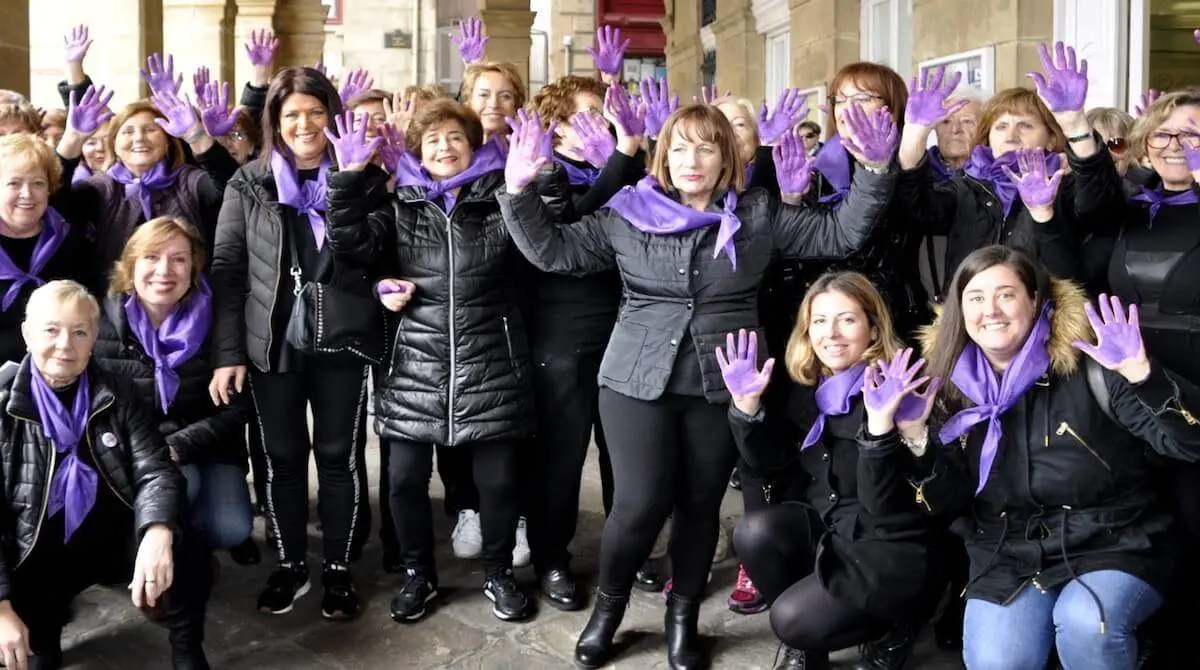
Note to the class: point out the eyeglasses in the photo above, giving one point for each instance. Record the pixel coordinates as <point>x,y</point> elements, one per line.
<point>858,99</point>
<point>1162,140</point>
<point>1117,145</point>
<point>236,136</point>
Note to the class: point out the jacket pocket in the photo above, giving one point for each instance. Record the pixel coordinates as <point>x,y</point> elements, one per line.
<point>1065,428</point>
<point>624,349</point>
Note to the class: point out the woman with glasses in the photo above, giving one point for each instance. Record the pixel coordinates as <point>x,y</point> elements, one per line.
<point>810,134</point>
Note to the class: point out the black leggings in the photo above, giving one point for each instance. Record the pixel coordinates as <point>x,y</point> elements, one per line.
<point>336,393</point>
<point>671,454</point>
<point>778,547</point>
<point>410,465</point>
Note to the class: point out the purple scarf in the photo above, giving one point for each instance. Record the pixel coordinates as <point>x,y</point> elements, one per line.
<point>82,171</point>
<point>54,231</point>
<point>833,162</point>
<point>985,167</point>
<point>145,186</point>
<point>175,341</point>
<point>833,396</point>
<point>410,172</point>
<point>974,377</point>
<point>74,485</point>
<point>576,175</point>
<point>941,171</point>
<point>1158,197</point>
<point>307,198</point>
<point>648,209</point>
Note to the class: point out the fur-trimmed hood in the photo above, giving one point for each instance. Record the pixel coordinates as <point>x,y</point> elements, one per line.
<point>1068,324</point>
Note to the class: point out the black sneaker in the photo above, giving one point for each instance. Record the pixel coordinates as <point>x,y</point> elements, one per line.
<point>408,603</point>
<point>285,585</point>
<point>559,589</point>
<point>508,603</point>
<point>340,600</point>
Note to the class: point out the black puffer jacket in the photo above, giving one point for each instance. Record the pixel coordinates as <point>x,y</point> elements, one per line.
<point>459,368</point>
<point>676,286</point>
<point>198,431</point>
<point>137,467</point>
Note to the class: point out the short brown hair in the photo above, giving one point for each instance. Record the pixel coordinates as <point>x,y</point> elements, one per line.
<point>27,148</point>
<point>875,78</point>
<point>174,145</point>
<point>370,95</point>
<point>426,93</point>
<point>286,82</point>
<point>437,113</point>
<point>556,100</point>
<point>507,70</point>
<point>1018,101</point>
<point>1156,115</point>
<point>22,114</point>
<point>802,363</point>
<point>707,124</point>
<point>152,236</point>
<point>54,117</point>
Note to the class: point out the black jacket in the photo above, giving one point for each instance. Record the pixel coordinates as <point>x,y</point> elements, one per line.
<point>197,430</point>
<point>250,270</point>
<point>1070,492</point>
<point>459,366</point>
<point>137,468</point>
<point>875,542</point>
<point>675,286</point>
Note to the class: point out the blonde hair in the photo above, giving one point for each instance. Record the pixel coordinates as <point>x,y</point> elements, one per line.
<point>506,70</point>
<point>802,363</point>
<point>23,115</point>
<point>746,106</point>
<point>153,236</point>
<point>29,149</point>
<point>1155,116</point>
<point>62,291</point>
<point>706,124</point>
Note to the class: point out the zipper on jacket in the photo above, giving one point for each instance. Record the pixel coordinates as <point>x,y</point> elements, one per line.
<point>275,296</point>
<point>450,324</point>
<point>37,529</point>
<point>96,456</point>
<point>1065,429</point>
<point>512,357</point>
<point>919,489</point>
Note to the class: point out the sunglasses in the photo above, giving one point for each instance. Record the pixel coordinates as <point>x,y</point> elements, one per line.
<point>1117,145</point>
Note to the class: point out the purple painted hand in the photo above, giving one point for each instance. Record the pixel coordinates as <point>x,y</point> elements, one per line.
<point>916,406</point>
<point>739,365</point>
<point>528,150</point>
<point>1063,86</point>
<point>1037,188</point>
<point>162,78</point>
<point>927,101</point>
<point>595,138</point>
<point>630,121</point>
<point>181,118</point>
<point>351,145</point>
<point>887,382</point>
<point>470,41</point>
<point>792,107</point>
<point>200,83</point>
<point>357,81</point>
<point>1119,339</point>
<point>1191,146</point>
<point>391,150</point>
<point>1148,99</point>
<point>870,138</point>
<point>659,104</point>
<point>610,52</point>
<point>793,166</point>
<point>708,95</point>
<point>1196,35</point>
<point>394,294</point>
<point>215,113</point>
<point>77,44</point>
<point>261,48</point>
<point>87,114</point>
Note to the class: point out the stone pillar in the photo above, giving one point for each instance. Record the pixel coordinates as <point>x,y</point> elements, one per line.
<point>575,19</point>
<point>685,54</point>
<point>1174,55</point>
<point>1013,27</point>
<point>508,23</point>
<point>14,46</point>
<point>251,15</point>
<point>364,23</point>
<point>741,51</point>
<point>300,27</point>
<point>824,37</point>
<point>200,32</point>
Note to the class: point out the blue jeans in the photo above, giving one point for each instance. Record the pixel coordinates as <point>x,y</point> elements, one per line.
<point>1020,635</point>
<point>219,503</point>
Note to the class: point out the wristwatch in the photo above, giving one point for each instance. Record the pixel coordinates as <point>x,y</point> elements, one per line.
<point>1079,138</point>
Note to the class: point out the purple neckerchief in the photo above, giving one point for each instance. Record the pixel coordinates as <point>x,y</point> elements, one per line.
<point>74,485</point>
<point>144,186</point>
<point>648,209</point>
<point>833,397</point>
<point>974,377</point>
<point>941,171</point>
<point>307,198</point>
<point>54,231</point>
<point>833,162</point>
<point>1158,197</point>
<point>410,172</point>
<point>176,340</point>
<point>82,171</point>
<point>985,167</point>
<point>578,176</point>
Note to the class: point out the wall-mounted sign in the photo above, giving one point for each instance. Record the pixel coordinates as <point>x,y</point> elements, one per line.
<point>397,39</point>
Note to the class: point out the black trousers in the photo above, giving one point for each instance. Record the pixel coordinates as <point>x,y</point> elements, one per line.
<point>567,416</point>
<point>494,468</point>
<point>454,469</point>
<point>673,454</point>
<point>336,393</point>
<point>778,546</point>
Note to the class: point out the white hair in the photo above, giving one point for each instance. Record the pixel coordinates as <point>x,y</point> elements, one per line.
<point>61,291</point>
<point>967,92</point>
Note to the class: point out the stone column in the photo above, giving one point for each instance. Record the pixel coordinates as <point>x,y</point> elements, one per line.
<point>251,15</point>
<point>363,27</point>
<point>1013,27</point>
<point>14,46</point>
<point>685,54</point>
<point>200,32</point>
<point>824,37</point>
<point>508,23</point>
<point>300,27</point>
<point>575,19</point>
<point>741,51</point>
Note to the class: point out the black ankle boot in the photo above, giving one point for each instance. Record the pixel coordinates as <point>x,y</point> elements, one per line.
<point>890,652</point>
<point>795,659</point>
<point>595,645</point>
<point>683,638</point>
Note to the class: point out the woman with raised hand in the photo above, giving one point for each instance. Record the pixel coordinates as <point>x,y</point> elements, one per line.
<point>1054,418</point>
<point>458,367</point>
<point>691,251</point>
<point>271,241</point>
<point>852,386</point>
<point>494,91</point>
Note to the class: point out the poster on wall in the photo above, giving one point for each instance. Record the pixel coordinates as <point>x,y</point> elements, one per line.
<point>978,68</point>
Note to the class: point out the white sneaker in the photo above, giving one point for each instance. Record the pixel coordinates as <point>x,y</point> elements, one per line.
<point>467,538</point>
<point>521,551</point>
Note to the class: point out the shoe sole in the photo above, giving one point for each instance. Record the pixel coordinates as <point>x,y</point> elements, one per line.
<point>413,618</point>
<point>501,615</point>
<point>561,606</point>
<point>743,609</point>
<point>299,594</point>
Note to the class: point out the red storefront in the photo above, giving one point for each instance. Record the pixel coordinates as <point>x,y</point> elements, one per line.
<point>640,23</point>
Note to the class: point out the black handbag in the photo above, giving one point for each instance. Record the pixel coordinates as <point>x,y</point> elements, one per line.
<point>327,320</point>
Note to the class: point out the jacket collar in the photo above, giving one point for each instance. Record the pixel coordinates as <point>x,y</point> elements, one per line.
<point>482,189</point>
<point>20,398</point>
